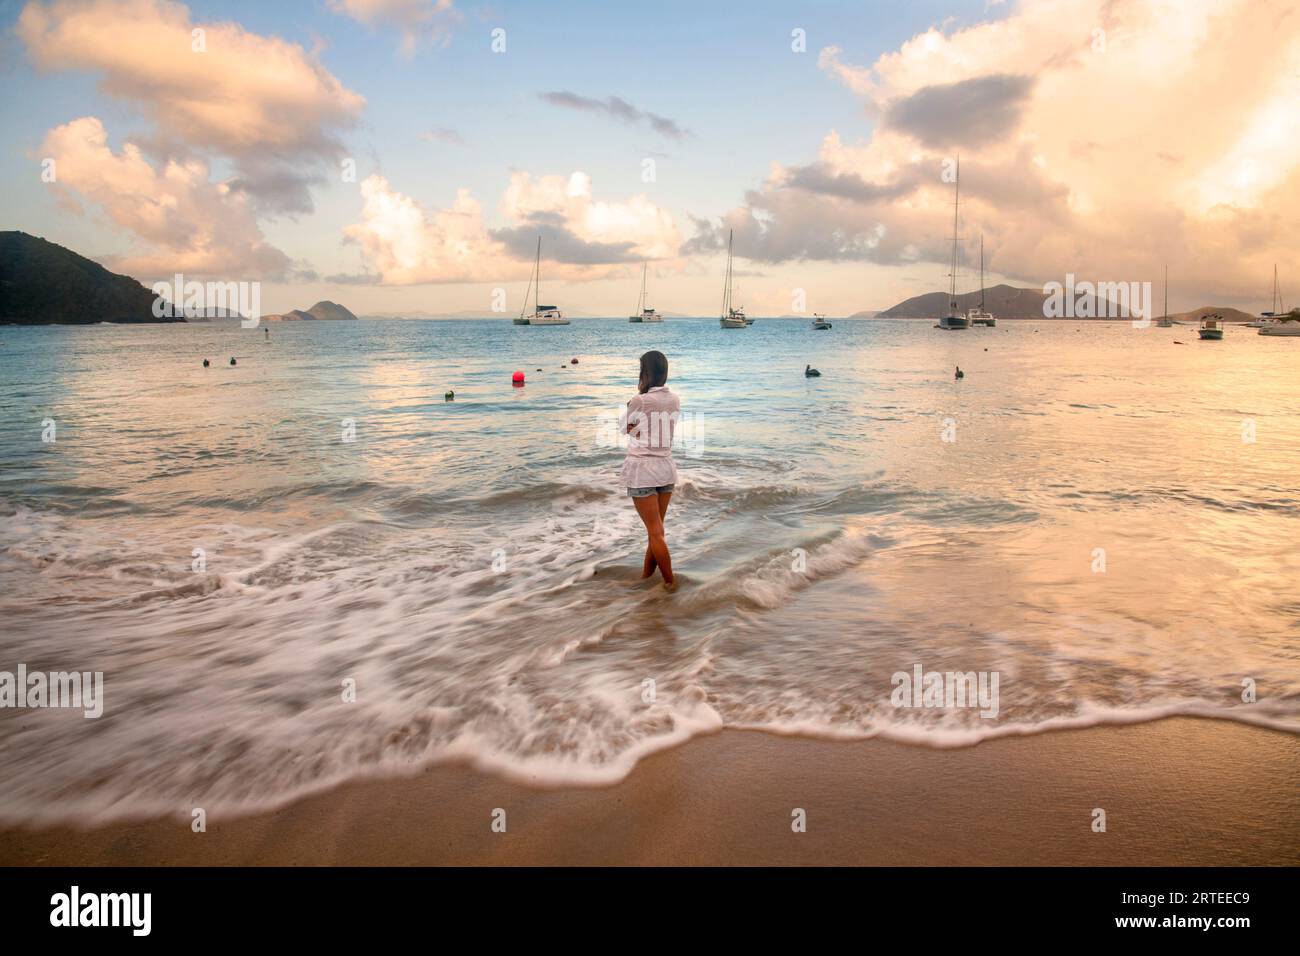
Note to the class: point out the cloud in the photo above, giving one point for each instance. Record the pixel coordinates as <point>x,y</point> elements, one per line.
<point>561,243</point>
<point>419,20</point>
<point>616,108</point>
<point>443,135</point>
<point>956,113</point>
<point>263,102</point>
<point>1083,159</point>
<point>188,223</point>
<point>586,238</point>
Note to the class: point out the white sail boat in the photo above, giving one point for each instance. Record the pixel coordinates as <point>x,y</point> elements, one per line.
<point>644,313</point>
<point>1164,322</point>
<point>1272,317</point>
<point>954,319</point>
<point>732,318</point>
<point>541,314</point>
<point>981,316</point>
<point>1279,321</point>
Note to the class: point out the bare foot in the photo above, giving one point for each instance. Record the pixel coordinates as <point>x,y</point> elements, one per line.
<point>670,586</point>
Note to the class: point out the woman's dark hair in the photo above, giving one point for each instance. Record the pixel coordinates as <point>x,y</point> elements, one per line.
<point>654,371</point>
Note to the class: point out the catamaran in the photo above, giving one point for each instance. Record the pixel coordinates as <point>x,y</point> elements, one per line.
<point>1272,318</point>
<point>732,318</point>
<point>954,319</point>
<point>644,313</point>
<point>1279,321</point>
<point>981,316</point>
<point>541,314</point>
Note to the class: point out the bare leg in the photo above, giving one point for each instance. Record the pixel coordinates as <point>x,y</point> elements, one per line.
<point>648,509</point>
<point>649,565</point>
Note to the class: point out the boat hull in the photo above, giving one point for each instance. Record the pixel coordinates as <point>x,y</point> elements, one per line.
<point>953,322</point>
<point>1212,335</point>
<point>521,322</point>
<point>1283,330</point>
<point>732,323</point>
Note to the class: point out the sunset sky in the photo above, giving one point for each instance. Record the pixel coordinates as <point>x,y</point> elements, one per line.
<point>1100,137</point>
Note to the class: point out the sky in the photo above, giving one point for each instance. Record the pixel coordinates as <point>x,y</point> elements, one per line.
<point>403,156</point>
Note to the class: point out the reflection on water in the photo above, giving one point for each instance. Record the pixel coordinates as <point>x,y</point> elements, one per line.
<point>1098,534</point>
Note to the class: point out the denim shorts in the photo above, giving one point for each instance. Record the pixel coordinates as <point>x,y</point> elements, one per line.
<point>647,492</point>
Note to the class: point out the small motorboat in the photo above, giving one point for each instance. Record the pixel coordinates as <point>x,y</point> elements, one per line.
<point>1211,327</point>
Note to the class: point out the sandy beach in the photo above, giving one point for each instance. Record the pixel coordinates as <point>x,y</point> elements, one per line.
<point>1181,791</point>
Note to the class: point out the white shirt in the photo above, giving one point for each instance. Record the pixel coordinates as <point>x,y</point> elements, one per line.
<point>649,462</point>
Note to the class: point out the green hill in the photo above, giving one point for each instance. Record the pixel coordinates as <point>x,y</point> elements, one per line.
<point>42,283</point>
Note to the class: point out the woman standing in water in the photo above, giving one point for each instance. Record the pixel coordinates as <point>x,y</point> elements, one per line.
<point>648,471</point>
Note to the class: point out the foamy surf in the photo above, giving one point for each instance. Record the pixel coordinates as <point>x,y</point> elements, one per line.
<point>471,571</point>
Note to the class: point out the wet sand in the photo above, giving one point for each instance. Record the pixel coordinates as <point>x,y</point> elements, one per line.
<point>1181,791</point>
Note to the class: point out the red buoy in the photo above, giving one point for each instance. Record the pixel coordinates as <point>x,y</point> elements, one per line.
<point>573,361</point>
<point>517,379</point>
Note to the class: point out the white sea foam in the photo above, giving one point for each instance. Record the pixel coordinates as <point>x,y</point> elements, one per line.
<point>473,566</point>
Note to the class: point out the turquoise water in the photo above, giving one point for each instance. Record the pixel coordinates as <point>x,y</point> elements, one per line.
<point>471,565</point>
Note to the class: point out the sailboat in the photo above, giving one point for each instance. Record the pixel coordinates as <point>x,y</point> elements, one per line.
<point>1275,321</point>
<point>954,319</point>
<point>732,318</point>
<point>981,316</point>
<point>541,314</point>
<point>1164,322</point>
<point>643,313</point>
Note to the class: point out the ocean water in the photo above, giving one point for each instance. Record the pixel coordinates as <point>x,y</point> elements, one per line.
<point>1097,532</point>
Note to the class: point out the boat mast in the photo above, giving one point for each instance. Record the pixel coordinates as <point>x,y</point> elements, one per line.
<point>523,309</point>
<point>641,305</point>
<point>537,289</point>
<point>952,274</point>
<point>1275,295</point>
<point>726,290</point>
<point>981,272</point>
<point>1166,290</point>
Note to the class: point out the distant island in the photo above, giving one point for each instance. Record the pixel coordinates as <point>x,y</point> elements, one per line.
<point>42,283</point>
<point>1008,302</point>
<point>323,311</point>
<point>1004,301</point>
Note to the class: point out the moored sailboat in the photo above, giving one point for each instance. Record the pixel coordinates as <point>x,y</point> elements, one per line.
<point>1164,322</point>
<point>981,316</point>
<point>644,313</point>
<point>954,319</point>
<point>541,314</point>
<point>732,317</point>
<point>1273,320</point>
